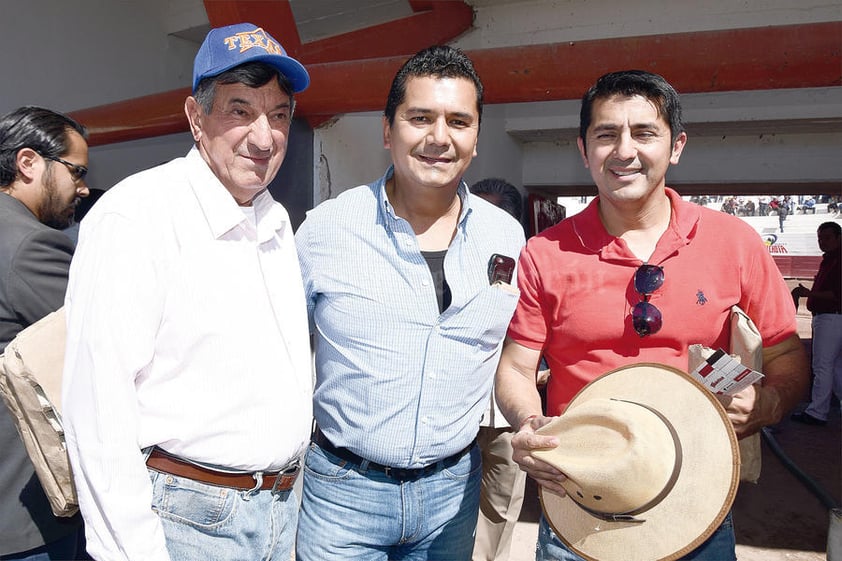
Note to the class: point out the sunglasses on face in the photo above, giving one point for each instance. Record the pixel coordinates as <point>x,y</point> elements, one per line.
<point>78,172</point>
<point>646,318</point>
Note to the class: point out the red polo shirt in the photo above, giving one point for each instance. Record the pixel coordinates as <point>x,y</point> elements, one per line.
<point>577,293</point>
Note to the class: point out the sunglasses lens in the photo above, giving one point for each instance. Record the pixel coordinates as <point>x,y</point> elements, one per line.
<point>646,319</point>
<point>648,279</point>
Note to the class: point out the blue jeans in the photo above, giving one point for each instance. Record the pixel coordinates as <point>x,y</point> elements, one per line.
<point>59,550</point>
<point>203,522</point>
<point>352,513</point>
<point>720,546</point>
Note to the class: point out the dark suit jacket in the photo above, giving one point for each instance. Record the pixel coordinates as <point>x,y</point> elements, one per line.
<point>34,263</point>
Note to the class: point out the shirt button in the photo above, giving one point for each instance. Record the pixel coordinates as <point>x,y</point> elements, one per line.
<point>425,282</point>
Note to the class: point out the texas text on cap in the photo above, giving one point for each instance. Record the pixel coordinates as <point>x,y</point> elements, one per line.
<point>233,45</point>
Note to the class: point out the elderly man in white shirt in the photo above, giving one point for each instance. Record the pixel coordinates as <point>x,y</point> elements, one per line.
<point>187,385</point>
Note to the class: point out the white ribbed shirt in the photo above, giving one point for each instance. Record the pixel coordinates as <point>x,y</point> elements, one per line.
<point>186,330</point>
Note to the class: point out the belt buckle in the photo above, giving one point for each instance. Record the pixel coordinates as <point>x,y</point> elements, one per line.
<point>291,469</point>
<point>399,474</point>
<point>403,474</point>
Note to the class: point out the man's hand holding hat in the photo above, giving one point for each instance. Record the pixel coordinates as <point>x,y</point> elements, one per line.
<point>527,441</point>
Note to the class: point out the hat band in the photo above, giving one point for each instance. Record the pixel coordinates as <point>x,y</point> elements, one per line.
<point>629,516</point>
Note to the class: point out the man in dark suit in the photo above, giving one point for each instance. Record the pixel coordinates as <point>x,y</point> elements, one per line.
<point>43,162</point>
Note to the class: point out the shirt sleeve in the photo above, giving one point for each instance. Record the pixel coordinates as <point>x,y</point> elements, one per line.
<point>529,326</point>
<point>767,299</point>
<point>113,311</point>
<point>304,246</point>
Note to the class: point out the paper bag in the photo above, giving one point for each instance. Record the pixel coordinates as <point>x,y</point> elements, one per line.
<point>30,384</point>
<point>747,346</point>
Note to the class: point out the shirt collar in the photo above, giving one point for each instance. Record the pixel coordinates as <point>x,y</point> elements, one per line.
<point>220,208</point>
<point>388,210</point>
<point>684,218</point>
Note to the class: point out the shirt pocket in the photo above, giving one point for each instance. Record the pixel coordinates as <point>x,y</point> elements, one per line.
<point>484,319</point>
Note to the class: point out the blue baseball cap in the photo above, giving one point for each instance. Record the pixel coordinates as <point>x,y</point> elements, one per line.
<point>233,45</point>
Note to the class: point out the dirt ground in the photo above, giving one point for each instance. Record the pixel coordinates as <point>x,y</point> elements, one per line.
<point>781,517</point>
<point>778,519</point>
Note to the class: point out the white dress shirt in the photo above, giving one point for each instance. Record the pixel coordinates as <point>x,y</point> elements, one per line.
<point>187,330</point>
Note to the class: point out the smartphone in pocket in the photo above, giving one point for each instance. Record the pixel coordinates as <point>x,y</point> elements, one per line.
<point>500,268</point>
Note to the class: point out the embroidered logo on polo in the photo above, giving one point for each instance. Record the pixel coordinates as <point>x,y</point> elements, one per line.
<point>253,39</point>
<point>701,299</point>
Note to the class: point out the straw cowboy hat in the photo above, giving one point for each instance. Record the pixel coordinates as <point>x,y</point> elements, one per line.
<point>652,464</point>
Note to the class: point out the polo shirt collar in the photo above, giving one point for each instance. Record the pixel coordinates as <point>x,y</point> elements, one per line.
<point>684,219</point>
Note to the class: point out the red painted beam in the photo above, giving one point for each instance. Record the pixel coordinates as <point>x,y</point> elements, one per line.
<point>774,57</point>
<point>275,16</point>
<point>132,119</point>
<point>797,56</point>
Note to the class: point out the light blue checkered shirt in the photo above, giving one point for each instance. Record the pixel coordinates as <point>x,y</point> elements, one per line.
<point>397,382</point>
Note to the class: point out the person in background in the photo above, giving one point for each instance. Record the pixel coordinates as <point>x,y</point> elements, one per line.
<point>784,209</point>
<point>408,314</point>
<point>824,300</point>
<point>43,163</point>
<point>187,383</point>
<point>502,194</point>
<point>639,276</point>
<point>503,482</point>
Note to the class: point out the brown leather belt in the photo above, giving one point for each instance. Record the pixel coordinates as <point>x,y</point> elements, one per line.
<point>162,462</point>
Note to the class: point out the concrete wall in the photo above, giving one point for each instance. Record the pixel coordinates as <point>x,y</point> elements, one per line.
<point>79,54</point>
<point>779,159</point>
<point>747,153</point>
<point>71,55</point>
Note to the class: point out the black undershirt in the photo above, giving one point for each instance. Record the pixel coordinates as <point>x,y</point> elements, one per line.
<point>435,261</point>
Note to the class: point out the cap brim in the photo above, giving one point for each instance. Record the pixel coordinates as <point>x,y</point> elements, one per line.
<point>294,71</point>
<point>703,493</point>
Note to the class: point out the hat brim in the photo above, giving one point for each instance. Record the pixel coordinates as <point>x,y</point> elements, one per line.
<point>293,70</point>
<point>703,492</point>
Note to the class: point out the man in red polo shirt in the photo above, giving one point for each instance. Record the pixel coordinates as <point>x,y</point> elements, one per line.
<point>639,276</point>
